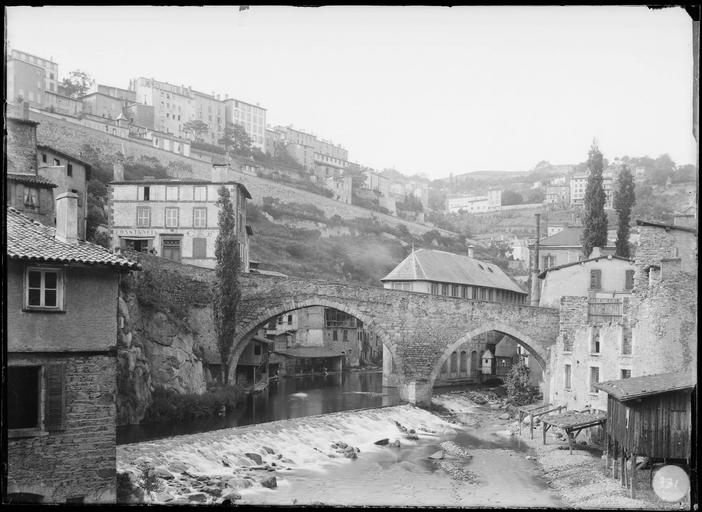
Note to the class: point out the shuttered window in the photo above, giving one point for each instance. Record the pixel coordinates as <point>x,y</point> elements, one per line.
<point>629,280</point>
<point>55,409</point>
<point>567,377</point>
<point>594,378</point>
<point>23,392</point>
<point>595,279</point>
<point>199,248</point>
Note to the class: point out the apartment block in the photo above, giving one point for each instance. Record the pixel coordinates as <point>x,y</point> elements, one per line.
<point>251,117</point>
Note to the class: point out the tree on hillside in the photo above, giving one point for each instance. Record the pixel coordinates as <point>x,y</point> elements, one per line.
<point>624,198</point>
<point>226,293</point>
<point>77,83</point>
<point>595,218</point>
<point>510,197</point>
<point>236,140</point>
<point>196,128</point>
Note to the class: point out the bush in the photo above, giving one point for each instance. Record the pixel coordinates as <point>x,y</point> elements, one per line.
<point>147,478</point>
<point>519,392</point>
<point>169,406</point>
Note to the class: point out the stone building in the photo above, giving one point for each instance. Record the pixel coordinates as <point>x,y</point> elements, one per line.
<point>648,326</point>
<point>61,375</point>
<point>26,190</point>
<point>176,219</point>
<point>69,174</point>
<point>251,117</point>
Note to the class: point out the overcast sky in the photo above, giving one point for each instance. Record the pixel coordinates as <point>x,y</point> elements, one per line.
<point>421,89</point>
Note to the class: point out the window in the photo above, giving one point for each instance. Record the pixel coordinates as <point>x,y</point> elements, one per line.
<point>31,198</point>
<point>200,193</point>
<point>444,289</point>
<point>335,335</point>
<point>345,336</point>
<point>595,279</point>
<point>199,248</point>
<point>257,349</point>
<point>143,216</point>
<point>43,157</point>
<point>626,340</point>
<point>595,343</point>
<point>44,289</point>
<point>454,290</point>
<point>625,373</point>
<point>57,161</point>
<point>69,169</point>
<point>23,397</point>
<point>567,342</point>
<point>171,217</point>
<point>290,319</point>
<point>567,377</point>
<point>549,261</point>
<point>143,193</point>
<point>435,288</point>
<point>594,378</point>
<point>629,280</point>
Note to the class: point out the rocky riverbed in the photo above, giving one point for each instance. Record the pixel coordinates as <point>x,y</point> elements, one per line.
<point>466,452</point>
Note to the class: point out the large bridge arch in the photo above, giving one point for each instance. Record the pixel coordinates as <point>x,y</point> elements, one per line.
<point>519,336</point>
<point>270,311</point>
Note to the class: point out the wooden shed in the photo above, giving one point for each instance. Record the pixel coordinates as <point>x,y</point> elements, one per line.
<point>649,416</point>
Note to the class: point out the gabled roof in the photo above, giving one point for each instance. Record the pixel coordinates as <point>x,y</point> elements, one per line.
<point>636,387</point>
<point>30,241</point>
<point>31,179</point>
<point>446,267</point>
<point>542,275</point>
<point>665,226</point>
<point>569,237</point>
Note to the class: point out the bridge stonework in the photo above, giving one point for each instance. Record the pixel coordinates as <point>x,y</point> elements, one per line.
<point>419,330</point>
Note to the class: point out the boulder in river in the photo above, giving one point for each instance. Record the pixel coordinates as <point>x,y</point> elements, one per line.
<point>232,496</point>
<point>504,416</point>
<point>382,442</point>
<point>437,455</point>
<point>269,482</point>
<point>412,437</point>
<point>177,466</point>
<point>268,450</point>
<point>162,472</point>
<point>255,457</point>
<point>197,497</point>
<point>396,444</point>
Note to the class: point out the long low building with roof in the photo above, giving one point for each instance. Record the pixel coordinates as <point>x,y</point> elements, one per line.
<point>453,275</point>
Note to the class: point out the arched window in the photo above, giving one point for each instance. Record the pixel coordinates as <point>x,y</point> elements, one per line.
<point>454,362</point>
<point>464,362</point>
<point>474,361</point>
<point>444,367</point>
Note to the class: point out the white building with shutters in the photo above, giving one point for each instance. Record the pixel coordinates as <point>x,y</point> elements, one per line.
<point>175,219</point>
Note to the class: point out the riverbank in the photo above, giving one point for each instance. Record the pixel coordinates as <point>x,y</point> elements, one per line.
<point>580,478</point>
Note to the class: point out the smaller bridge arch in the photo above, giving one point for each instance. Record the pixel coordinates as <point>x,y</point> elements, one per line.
<point>267,314</point>
<point>520,337</point>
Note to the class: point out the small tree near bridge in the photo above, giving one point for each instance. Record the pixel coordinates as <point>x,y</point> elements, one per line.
<point>226,293</point>
<point>519,392</point>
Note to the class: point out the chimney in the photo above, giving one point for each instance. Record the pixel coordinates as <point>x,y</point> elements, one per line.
<point>220,173</point>
<point>596,253</point>
<point>67,217</point>
<point>25,111</point>
<point>118,169</point>
<point>470,251</point>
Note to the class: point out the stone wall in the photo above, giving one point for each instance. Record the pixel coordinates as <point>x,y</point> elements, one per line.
<point>80,460</point>
<point>70,138</point>
<point>21,146</point>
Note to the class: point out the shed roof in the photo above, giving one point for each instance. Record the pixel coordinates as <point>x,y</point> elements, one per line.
<point>636,387</point>
<point>446,267</point>
<point>665,226</point>
<point>31,241</point>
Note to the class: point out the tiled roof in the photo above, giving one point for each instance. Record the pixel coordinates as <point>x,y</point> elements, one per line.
<point>31,179</point>
<point>635,387</point>
<point>183,181</point>
<point>565,265</point>
<point>31,241</point>
<point>446,267</point>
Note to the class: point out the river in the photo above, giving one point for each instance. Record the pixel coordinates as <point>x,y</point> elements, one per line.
<point>480,464</point>
<point>291,397</point>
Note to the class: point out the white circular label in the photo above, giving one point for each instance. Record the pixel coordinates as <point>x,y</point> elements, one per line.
<point>671,483</point>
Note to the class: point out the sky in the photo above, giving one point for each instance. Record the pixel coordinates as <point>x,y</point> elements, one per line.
<point>430,90</point>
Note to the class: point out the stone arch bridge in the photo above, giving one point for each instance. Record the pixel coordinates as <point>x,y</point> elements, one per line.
<point>419,330</point>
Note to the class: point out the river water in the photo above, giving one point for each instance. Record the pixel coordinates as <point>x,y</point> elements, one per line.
<point>480,463</point>
<point>291,397</point>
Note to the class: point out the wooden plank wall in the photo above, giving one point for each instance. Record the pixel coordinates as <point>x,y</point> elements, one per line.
<point>658,426</point>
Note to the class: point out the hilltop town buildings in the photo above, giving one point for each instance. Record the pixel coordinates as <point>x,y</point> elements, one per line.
<point>176,219</point>
<point>492,201</point>
<point>251,117</point>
